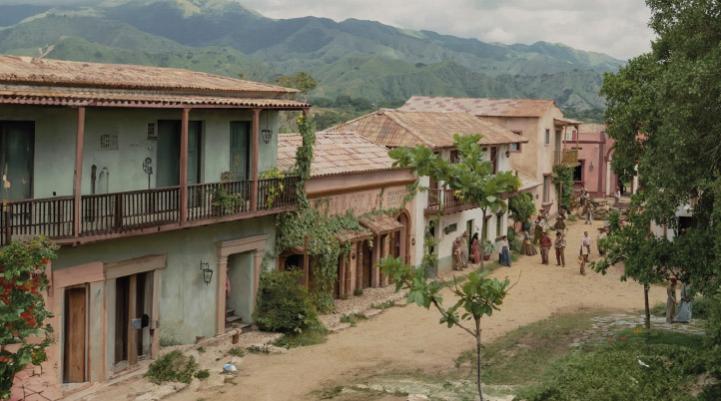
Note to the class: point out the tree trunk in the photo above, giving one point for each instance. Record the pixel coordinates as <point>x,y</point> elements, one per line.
<point>478,359</point>
<point>646,289</point>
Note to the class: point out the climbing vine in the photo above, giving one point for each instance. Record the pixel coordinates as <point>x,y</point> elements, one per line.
<point>304,157</point>
<point>24,331</point>
<point>563,179</point>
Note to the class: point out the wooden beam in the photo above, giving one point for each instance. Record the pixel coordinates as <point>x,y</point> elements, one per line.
<point>184,124</point>
<point>78,178</point>
<point>254,157</point>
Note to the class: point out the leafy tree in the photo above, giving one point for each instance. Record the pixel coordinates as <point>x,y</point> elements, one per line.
<point>24,331</point>
<point>522,207</point>
<point>471,178</point>
<point>302,81</point>
<point>477,296</point>
<point>563,178</point>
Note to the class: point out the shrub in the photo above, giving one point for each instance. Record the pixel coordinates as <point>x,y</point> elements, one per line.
<point>312,335</point>
<point>713,335</point>
<point>202,374</point>
<point>283,303</point>
<point>236,351</point>
<point>172,367</point>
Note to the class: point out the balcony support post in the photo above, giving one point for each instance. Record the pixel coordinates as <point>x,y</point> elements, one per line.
<point>78,174</point>
<point>254,157</point>
<point>184,123</point>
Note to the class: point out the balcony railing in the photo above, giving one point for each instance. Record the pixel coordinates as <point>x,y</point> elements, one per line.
<point>568,156</point>
<point>122,213</point>
<point>445,201</point>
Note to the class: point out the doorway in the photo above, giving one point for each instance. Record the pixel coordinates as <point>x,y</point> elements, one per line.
<point>239,150</point>
<point>17,147</point>
<point>168,154</point>
<point>133,298</point>
<point>75,339</point>
<point>367,267</point>
<point>239,289</point>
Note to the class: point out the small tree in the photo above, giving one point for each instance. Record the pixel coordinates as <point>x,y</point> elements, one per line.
<point>302,81</point>
<point>24,333</point>
<point>522,207</point>
<point>478,296</point>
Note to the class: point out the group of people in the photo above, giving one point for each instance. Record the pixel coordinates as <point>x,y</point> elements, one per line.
<point>678,312</point>
<point>461,257</point>
<point>542,238</point>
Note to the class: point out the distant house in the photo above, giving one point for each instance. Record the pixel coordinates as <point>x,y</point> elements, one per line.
<point>396,128</point>
<point>539,121</point>
<point>595,153</point>
<point>351,173</point>
<point>150,180</point>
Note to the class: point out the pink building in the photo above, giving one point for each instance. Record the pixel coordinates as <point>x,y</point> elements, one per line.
<point>595,152</point>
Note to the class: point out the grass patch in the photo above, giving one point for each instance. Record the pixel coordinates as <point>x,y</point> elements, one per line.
<point>316,334</point>
<point>384,305</point>
<point>172,367</point>
<point>700,308</point>
<point>236,351</point>
<point>522,355</point>
<point>352,318</point>
<point>202,374</point>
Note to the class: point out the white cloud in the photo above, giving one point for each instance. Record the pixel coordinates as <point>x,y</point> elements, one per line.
<point>615,27</point>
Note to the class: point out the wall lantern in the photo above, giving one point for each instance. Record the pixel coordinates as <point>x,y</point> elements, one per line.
<point>206,271</point>
<point>267,135</point>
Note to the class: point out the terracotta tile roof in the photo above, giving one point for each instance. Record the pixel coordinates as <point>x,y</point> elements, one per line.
<point>59,96</point>
<point>480,106</point>
<point>591,128</point>
<point>28,70</point>
<point>335,153</point>
<point>565,121</point>
<point>395,128</point>
<point>380,224</point>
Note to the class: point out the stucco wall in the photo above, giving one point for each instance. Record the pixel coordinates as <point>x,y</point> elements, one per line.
<point>55,130</point>
<point>187,305</point>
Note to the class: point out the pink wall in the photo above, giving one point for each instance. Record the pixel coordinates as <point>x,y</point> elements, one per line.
<point>595,151</point>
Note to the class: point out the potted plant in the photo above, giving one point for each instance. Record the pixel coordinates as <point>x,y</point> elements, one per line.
<point>488,249</point>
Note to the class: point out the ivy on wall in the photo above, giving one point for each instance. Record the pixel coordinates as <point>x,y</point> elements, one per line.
<point>563,179</point>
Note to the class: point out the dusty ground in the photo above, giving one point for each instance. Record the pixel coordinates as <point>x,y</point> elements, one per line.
<point>410,338</point>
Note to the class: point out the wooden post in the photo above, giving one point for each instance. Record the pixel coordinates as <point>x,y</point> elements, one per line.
<point>254,146</point>
<point>132,311</point>
<point>78,179</point>
<point>184,123</point>
<point>375,271</point>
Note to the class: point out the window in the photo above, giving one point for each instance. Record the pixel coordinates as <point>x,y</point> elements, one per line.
<point>578,171</point>
<point>455,157</point>
<point>516,147</point>
<point>548,137</point>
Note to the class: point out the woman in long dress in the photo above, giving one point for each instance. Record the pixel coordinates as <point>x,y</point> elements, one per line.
<point>671,300</point>
<point>528,249</point>
<point>476,249</point>
<point>684,307</point>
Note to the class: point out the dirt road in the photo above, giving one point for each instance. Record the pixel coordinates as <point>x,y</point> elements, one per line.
<point>411,338</point>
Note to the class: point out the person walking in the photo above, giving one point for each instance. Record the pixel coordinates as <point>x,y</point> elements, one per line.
<point>504,253</point>
<point>528,248</point>
<point>671,300</point>
<point>537,231</point>
<point>546,244</point>
<point>684,313</point>
<point>475,249</point>
<point>560,246</point>
<point>585,252</point>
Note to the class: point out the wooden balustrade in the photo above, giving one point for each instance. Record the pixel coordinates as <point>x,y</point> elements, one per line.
<point>50,217</point>
<point>218,199</point>
<point>444,200</point>
<point>125,212</point>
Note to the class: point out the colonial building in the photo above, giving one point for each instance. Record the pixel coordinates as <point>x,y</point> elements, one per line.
<point>595,153</point>
<point>150,181</point>
<point>350,173</point>
<point>397,128</point>
<point>539,121</point>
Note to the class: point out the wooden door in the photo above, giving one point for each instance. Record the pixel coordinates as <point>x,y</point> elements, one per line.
<point>168,153</point>
<point>75,335</point>
<point>239,150</point>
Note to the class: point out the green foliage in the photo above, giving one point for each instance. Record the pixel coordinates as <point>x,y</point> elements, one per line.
<point>277,186</point>
<point>302,81</point>
<point>23,315</point>
<point>304,157</point>
<point>322,246</point>
<point>654,366</point>
<point>283,304</point>
<point>563,178</point>
<point>236,351</point>
<point>713,334</point>
<point>352,318</point>
<point>314,334</point>
<point>522,207</point>
<point>384,305</point>
<point>172,367</point>
<point>202,374</point>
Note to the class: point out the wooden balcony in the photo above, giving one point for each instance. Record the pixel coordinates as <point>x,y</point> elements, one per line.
<point>568,157</point>
<point>113,215</point>
<point>445,202</point>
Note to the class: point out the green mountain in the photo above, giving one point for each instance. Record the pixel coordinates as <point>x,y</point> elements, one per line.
<point>353,58</point>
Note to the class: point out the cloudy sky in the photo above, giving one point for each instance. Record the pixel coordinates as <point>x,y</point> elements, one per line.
<point>616,27</point>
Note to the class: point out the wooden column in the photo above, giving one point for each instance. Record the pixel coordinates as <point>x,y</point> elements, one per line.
<point>375,271</point>
<point>222,277</point>
<point>254,157</point>
<point>78,178</point>
<point>132,332</point>
<point>342,269</point>
<point>359,266</point>
<point>184,123</point>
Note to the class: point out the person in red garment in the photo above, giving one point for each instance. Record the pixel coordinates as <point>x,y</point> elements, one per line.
<point>546,244</point>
